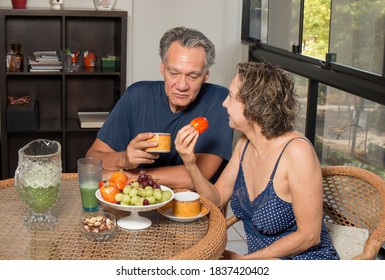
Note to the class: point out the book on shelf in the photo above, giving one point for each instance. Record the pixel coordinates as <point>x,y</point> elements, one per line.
<point>44,61</point>
<point>47,55</point>
<point>92,119</point>
<point>46,67</point>
<point>44,70</point>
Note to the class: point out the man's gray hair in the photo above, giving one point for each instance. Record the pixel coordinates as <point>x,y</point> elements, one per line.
<point>188,38</point>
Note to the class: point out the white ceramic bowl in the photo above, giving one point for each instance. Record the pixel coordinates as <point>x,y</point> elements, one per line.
<point>134,221</point>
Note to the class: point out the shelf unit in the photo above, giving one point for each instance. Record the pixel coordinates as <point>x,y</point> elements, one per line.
<point>60,95</point>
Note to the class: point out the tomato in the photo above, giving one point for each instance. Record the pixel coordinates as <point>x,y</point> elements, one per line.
<point>108,191</point>
<point>102,182</point>
<point>120,179</point>
<point>200,124</point>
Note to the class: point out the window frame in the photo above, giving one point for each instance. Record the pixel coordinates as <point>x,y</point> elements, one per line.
<point>366,85</point>
<point>357,82</point>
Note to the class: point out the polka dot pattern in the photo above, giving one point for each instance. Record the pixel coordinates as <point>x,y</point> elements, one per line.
<point>269,218</point>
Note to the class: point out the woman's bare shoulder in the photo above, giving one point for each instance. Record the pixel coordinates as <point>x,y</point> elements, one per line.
<point>300,157</point>
<point>299,145</point>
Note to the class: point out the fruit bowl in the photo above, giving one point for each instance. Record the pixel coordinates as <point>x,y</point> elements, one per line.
<point>134,221</point>
<point>98,226</point>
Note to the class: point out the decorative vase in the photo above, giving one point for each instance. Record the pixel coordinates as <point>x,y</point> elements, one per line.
<point>56,4</point>
<point>19,4</point>
<point>104,5</point>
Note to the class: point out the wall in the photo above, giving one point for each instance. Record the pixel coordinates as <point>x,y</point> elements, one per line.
<point>220,20</point>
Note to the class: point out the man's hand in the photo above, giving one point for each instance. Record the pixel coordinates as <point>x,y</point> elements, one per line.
<point>136,151</point>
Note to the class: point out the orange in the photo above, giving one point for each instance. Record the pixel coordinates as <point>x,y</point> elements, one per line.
<point>120,179</point>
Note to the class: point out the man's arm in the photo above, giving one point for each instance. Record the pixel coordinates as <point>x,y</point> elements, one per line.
<point>134,155</point>
<point>111,159</point>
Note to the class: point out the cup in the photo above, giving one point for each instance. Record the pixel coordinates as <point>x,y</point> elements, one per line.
<point>74,59</point>
<point>90,173</point>
<point>68,63</point>
<point>186,204</point>
<point>164,143</point>
<point>89,60</point>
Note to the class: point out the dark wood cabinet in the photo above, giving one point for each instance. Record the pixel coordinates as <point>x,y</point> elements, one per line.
<point>60,95</point>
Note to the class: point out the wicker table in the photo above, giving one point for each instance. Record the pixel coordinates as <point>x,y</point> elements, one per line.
<point>204,238</point>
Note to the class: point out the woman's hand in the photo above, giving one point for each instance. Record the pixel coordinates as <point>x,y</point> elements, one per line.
<point>185,142</point>
<point>230,255</point>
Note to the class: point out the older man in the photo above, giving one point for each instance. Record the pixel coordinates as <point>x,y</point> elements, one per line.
<point>166,106</point>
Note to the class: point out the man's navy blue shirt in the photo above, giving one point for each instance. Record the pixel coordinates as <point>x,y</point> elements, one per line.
<point>144,107</point>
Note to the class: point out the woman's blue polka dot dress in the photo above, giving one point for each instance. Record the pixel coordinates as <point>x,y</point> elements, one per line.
<point>269,218</point>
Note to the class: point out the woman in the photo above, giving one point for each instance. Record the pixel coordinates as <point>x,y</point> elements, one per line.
<point>274,178</point>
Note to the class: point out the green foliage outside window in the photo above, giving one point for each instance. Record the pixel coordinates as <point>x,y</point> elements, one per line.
<point>316,28</point>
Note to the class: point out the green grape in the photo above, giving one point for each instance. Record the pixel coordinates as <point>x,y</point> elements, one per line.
<point>124,204</point>
<point>142,192</point>
<point>118,197</point>
<point>135,184</point>
<point>134,200</point>
<point>166,195</point>
<point>148,192</point>
<point>133,192</point>
<point>127,189</point>
<point>158,194</point>
<point>151,199</point>
<point>126,198</point>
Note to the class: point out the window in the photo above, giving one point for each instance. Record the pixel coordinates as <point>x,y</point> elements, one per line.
<point>258,20</point>
<point>350,130</point>
<point>346,104</point>
<point>335,52</point>
<point>264,15</point>
<point>346,32</point>
<point>316,23</point>
<point>357,34</point>
<point>301,84</point>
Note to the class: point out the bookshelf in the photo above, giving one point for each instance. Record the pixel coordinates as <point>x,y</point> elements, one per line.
<point>60,95</point>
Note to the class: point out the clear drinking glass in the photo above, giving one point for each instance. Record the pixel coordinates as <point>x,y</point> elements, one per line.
<point>38,181</point>
<point>68,63</point>
<point>74,59</point>
<point>90,173</point>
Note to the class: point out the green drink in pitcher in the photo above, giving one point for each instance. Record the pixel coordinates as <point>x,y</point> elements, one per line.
<point>40,199</point>
<point>38,181</point>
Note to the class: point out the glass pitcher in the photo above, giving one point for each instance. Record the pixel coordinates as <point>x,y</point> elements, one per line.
<point>38,181</point>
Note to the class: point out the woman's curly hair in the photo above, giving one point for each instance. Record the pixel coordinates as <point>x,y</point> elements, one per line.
<point>268,94</point>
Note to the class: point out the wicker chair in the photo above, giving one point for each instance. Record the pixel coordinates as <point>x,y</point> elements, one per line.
<point>353,197</point>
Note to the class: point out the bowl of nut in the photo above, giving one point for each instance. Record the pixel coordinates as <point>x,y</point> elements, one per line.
<point>98,226</point>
